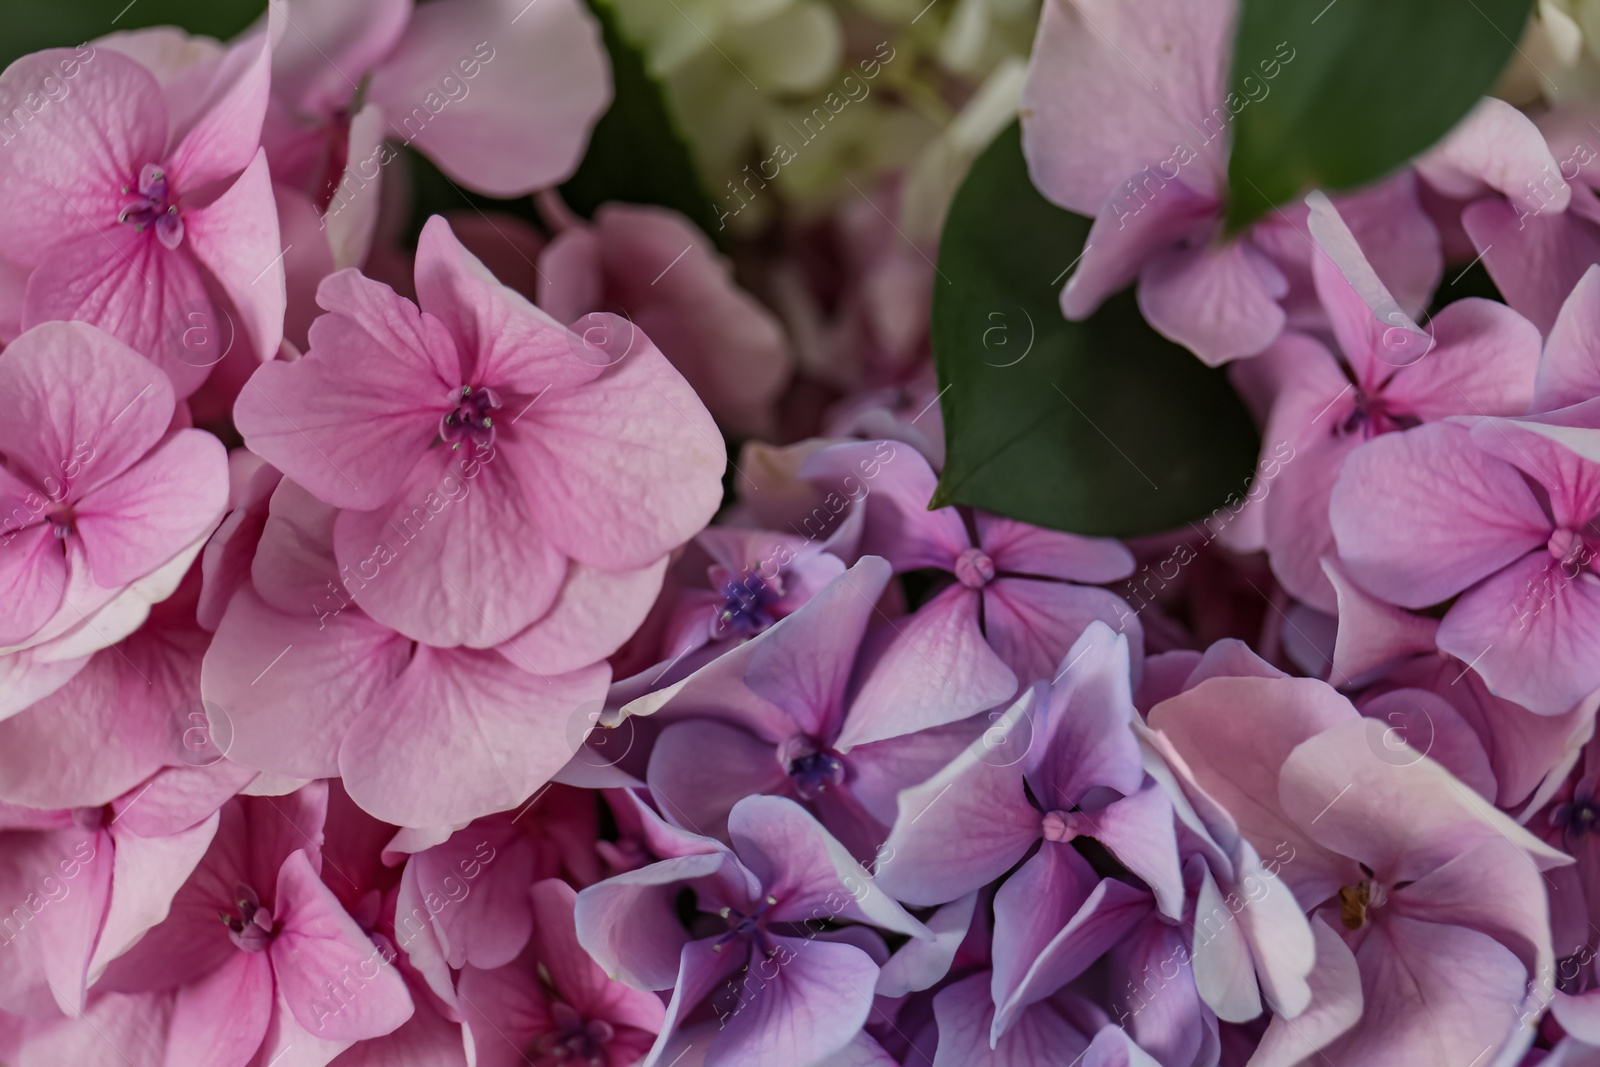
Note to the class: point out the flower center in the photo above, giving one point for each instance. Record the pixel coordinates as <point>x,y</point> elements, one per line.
<point>1062,826</point>
<point>470,420</point>
<point>1567,546</point>
<point>748,926</point>
<point>1370,416</point>
<point>1356,900</point>
<point>575,1040</point>
<point>1578,816</point>
<point>250,927</point>
<point>153,206</point>
<point>746,605</point>
<point>813,768</point>
<point>974,568</point>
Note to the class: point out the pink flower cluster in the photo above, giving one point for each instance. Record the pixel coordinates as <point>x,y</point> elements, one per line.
<point>395,669</point>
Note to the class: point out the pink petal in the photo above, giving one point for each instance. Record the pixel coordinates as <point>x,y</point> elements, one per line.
<point>33,578</point>
<point>1482,363</point>
<point>224,138</point>
<point>502,730</point>
<point>84,407</point>
<point>1569,372</point>
<point>1531,632</point>
<point>1372,632</point>
<point>578,979</point>
<point>1497,147</point>
<point>350,419</point>
<point>1534,259</point>
<point>727,345</point>
<point>926,669</point>
<point>119,720</point>
<point>1480,890</point>
<point>458,557</point>
<point>1234,734</point>
<point>1430,994</point>
<point>1086,737</point>
<point>491,140</point>
<point>1336,1006</point>
<point>114,1031</point>
<point>625,467</point>
<point>627,922</point>
<point>1444,819</point>
<point>326,40</point>
<point>69,162</point>
<point>294,683</point>
<point>504,340</point>
<point>1219,302</point>
<point>593,615</point>
<point>1131,230</point>
<point>222,1018</point>
<point>1093,117</point>
<point>1374,333</point>
<point>130,286</point>
<point>317,944</point>
<point>134,524</point>
<point>1542,447</point>
<point>571,281</point>
<point>1423,514</point>
<point>146,874</point>
<point>236,238</point>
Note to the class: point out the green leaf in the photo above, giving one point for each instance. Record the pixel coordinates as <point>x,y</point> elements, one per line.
<point>1101,427</point>
<point>635,154</point>
<point>28,27</point>
<point>1368,85</point>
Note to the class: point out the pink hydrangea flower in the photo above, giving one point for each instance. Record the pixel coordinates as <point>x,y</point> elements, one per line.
<point>1450,512</point>
<point>492,467</point>
<point>156,225</point>
<point>104,503</point>
<point>1411,880</point>
<point>260,952</point>
<point>1475,357</point>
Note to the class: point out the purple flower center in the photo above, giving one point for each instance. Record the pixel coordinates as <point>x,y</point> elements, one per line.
<point>1062,826</point>
<point>153,206</point>
<point>746,605</point>
<point>974,568</point>
<point>250,927</point>
<point>1371,416</point>
<point>1579,815</point>
<point>470,420</point>
<point>813,768</point>
<point>748,926</point>
<point>575,1040</point>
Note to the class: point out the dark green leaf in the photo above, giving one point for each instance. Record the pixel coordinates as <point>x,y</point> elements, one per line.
<point>1371,83</point>
<point>635,154</point>
<point>1099,427</point>
<point>28,27</point>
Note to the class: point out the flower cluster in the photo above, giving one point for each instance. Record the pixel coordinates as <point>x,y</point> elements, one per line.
<point>396,668</point>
